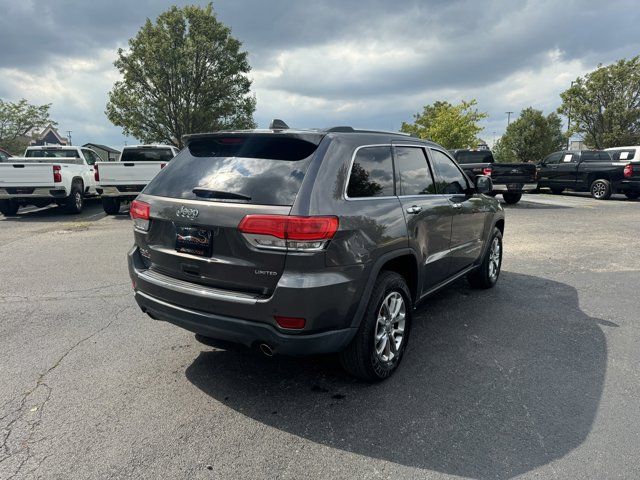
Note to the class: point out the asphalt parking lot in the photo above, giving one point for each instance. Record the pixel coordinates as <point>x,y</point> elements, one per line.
<point>536,378</point>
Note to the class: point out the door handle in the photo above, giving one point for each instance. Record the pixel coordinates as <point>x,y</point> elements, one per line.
<point>413,209</point>
<point>553,168</point>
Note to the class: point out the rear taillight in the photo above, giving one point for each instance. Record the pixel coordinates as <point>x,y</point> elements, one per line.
<point>628,171</point>
<point>57,175</point>
<point>486,171</point>
<point>282,232</point>
<point>96,173</point>
<point>139,212</point>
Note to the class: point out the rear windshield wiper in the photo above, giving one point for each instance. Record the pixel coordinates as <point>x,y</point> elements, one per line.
<point>205,192</point>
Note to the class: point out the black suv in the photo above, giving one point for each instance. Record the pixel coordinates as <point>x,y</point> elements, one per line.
<point>302,242</point>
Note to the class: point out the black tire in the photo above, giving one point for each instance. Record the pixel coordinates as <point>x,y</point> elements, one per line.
<point>111,205</point>
<point>484,276</point>
<point>361,357</point>
<point>600,189</point>
<point>557,190</point>
<point>9,207</point>
<point>632,195</point>
<point>511,197</point>
<point>74,203</point>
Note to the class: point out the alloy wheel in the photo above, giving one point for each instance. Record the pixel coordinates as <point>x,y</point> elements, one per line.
<point>390,327</point>
<point>495,258</point>
<point>599,189</point>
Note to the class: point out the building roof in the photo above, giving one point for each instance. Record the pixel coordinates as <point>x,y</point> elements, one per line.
<point>102,147</point>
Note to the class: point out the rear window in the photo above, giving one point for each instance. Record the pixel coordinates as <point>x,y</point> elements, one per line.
<point>473,156</point>
<point>146,155</point>
<point>52,153</point>
<point>263,170</point>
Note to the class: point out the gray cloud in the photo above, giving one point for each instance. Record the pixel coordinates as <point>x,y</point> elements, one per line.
<point>366,63</point>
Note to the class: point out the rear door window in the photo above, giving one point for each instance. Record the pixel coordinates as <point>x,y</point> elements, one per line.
<point>414,175</point>
<point>451,180</point>
<point>371,173</point>
<point>259,169</point>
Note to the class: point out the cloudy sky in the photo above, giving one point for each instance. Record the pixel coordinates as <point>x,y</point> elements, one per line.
<point>369,64</point>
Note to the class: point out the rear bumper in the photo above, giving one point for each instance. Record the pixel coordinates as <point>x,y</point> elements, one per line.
<point>244,332</point>
<point>629,186</point>
<point>515,187</point>
<point>122,191</point>
<point>245,319</point>
<point>31,192</point>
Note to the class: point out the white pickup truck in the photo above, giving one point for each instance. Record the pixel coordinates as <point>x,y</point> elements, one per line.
<point>122,181</point>
<point>48,174</point>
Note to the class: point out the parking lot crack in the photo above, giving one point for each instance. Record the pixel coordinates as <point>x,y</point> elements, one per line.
<point>23,421</point>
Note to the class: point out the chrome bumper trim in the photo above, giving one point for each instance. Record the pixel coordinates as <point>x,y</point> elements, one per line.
<point>188,288</point>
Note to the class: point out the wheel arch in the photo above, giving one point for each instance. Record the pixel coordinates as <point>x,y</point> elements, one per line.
<point>404,262</point>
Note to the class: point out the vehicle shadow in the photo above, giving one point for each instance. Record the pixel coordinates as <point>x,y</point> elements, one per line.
<point>494,384</point>
<point>55,213</point>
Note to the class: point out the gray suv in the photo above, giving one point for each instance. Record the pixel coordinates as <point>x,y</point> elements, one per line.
<point>303,242</point>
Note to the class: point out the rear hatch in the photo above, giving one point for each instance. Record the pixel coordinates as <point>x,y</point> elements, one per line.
<point>27,174</point>
<point>200,198</point>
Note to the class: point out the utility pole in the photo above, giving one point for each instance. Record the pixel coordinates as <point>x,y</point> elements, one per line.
<point>494,140</point>
<point>569,124</point>
<point>508,118</point>
<point>69,136</point>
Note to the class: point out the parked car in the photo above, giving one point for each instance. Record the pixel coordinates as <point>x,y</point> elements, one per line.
<point>307,242</point>
<point>593,171</point>
<point>122,181</point>
<point>509,179</point>
<point>48,174</point>
<point>627,154</point>
<point>4,155</point>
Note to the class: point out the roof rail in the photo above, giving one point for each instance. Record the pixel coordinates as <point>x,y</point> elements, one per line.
<point>340,129</point>
<point>347,129</point>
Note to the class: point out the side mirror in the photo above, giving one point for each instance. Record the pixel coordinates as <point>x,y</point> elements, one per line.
<point>484,185</point>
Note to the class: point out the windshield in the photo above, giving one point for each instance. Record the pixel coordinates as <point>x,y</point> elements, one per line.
<point>260,170</point>
<point>473,156</point>
<point>52,153</point>
<point>146,154</point>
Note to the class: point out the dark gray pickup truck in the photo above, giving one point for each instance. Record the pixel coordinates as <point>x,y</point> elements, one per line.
<point>509,179</point>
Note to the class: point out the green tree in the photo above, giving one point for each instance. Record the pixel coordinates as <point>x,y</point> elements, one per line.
<point>530,138</point>
<point>184,74</point>
<point>503,154</point>
<point>604,106</point>
<point>17,120</point>
<point>452,126</point>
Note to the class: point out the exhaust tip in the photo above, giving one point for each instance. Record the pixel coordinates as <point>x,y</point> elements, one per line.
<point>266,350</point>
